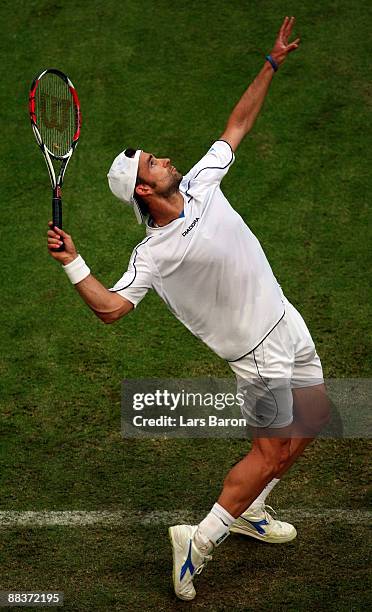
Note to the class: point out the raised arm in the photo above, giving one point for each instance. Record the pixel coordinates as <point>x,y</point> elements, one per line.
<point>107,305</point>
<point>245,112</point>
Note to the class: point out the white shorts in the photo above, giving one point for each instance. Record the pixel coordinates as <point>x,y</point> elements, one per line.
<point>286,359</point>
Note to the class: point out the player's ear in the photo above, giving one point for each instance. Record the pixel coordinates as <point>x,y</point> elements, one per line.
<point>143,190</point>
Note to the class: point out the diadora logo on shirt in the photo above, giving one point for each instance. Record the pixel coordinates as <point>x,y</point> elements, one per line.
<point>190,227</point>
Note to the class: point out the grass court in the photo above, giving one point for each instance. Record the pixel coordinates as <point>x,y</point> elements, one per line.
<point>164,77</point>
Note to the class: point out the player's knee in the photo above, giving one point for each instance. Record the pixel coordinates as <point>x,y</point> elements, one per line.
<point>284,456</point>
<point>275,462</point>
<point>319,418</point>
<point>280,460</point>
<point>312,409</point>
<point>324,415</point>
<point>268,468</point>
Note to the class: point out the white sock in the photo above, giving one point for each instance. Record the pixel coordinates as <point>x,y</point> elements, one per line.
<point>260,500</point>
<point>213,529</point>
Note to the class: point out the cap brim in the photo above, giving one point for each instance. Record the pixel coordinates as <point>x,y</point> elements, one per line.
<point>122,178</point>
<point>137,212</point>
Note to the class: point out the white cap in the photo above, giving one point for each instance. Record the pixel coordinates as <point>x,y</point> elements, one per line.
<point>122,180</point>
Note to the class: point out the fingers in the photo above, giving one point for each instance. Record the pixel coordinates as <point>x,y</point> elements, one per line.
<point>50,223</point>
<point>293,46</point>
<point>52,234</point>
<point>58,233</point>
<point>286,28</point>
<point>54,245</point>
<point>54,240</point>
<point>61,232</point>
<point>54,237</point>
<point>283,26</point>
<point>289,26</point>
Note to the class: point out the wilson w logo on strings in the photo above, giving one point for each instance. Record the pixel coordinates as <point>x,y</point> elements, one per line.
<point>54,112</point>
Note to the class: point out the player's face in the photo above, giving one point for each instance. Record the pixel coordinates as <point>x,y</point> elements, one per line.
<point>159,174</point>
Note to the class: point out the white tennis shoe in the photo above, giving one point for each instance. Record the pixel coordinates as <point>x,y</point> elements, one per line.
<point>258,523</point>
<point>188,560</point>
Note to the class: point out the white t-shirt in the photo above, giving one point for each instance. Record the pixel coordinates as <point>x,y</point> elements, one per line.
<point>208,266</point>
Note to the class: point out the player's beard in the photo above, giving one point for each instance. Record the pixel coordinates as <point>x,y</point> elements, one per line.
<point>172,187</point>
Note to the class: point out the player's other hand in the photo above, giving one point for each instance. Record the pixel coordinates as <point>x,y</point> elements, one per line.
<point>55,236</point>
<point>282,47</point>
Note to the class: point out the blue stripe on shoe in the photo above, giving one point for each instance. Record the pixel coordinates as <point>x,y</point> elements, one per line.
<point>188,564</point>
<point>257,525</point>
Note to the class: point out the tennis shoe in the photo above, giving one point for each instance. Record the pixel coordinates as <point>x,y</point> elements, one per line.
<point>256,522</point>
<point>188,560</point>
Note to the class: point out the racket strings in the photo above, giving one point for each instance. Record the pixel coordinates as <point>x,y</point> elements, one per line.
<point>56,115</point>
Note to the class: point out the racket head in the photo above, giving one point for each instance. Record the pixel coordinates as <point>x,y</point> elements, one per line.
<point>55,114</point>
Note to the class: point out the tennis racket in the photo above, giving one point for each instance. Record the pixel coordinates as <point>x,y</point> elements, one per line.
<point>56,120</point>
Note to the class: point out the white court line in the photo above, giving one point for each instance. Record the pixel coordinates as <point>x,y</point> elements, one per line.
<point>81,518</point>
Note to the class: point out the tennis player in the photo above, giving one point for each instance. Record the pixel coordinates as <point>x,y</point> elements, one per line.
<point>210,270</point>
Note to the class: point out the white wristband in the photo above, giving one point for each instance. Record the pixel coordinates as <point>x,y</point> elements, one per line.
<point>76,270</point>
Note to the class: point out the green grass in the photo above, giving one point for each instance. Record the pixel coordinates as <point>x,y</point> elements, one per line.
<point>120,569</point>
<point>164,76</point>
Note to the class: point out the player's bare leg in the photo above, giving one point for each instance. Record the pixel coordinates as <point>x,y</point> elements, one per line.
<point>269,458</point>
<point>311,413</point>
<point>247,478</point>
<point>272,457</point>
<point>311,409</point>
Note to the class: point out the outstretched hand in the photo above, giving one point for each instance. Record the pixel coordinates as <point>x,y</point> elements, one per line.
<point>282,47</point>
<point>54,241</point>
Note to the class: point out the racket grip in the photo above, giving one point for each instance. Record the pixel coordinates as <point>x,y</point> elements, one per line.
<point>57,218</point>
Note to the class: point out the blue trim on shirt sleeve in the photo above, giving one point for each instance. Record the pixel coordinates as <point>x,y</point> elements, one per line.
<point>134,266</point>
<point>188,195</point>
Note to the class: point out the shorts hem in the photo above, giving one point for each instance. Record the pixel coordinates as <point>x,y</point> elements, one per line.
<point>310,383</point>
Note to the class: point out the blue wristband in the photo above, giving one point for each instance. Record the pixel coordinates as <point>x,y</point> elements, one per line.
<point>272,62</point>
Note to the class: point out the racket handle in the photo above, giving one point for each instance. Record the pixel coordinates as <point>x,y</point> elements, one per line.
<point>57,218</point>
